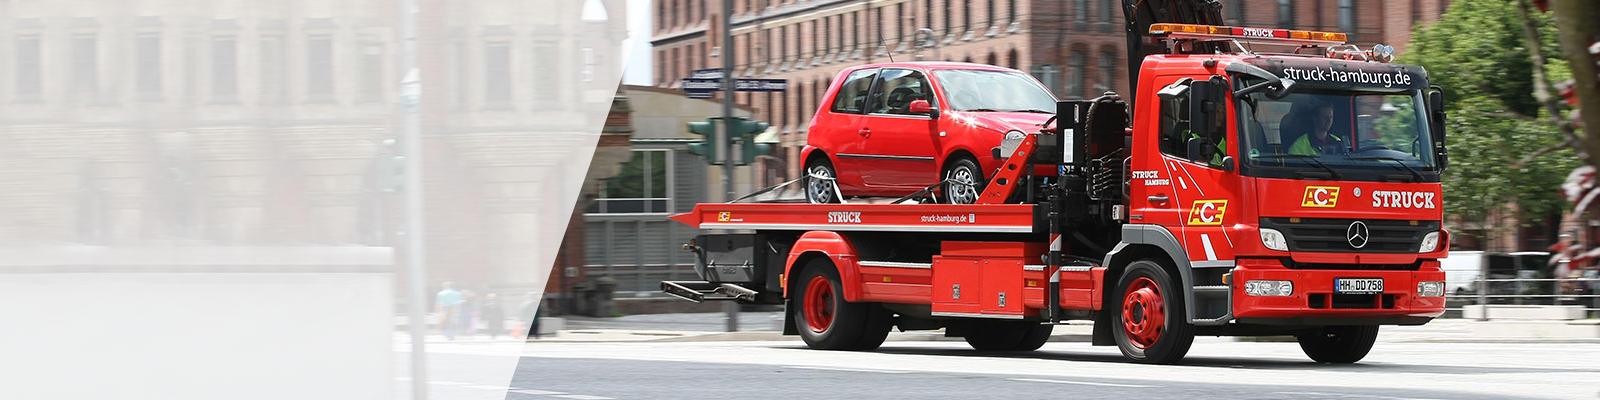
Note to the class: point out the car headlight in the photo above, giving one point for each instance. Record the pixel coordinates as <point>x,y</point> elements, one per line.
<point>1430,242</point>
<point>1274,240</point>
<point>1012,140</point>
<point>1269,288</point>
<point>1430,289</point>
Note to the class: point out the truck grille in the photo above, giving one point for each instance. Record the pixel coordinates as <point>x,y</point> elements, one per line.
<point>1329,234</point>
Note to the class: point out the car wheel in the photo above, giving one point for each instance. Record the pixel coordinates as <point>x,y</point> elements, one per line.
<point>963,182</point>
<point>1149,318</point>
<point>1338,344</point>
<point>819,182</point>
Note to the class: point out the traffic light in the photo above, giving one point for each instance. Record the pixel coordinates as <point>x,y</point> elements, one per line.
<point>745,132</point>
<point>706,147</point>
<point>390,168</point>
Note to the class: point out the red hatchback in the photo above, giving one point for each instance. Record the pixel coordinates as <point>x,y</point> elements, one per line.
<point>890,130</point>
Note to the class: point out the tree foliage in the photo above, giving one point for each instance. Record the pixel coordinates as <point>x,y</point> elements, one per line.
<point>1478,54</point>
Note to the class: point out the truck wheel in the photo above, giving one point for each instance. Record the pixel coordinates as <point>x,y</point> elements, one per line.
<point>1009,336</point>
<point>826,321</point>
<point>966,182</point>
<point>1148,318</point>
<point>1338,344</point>
<point>820,191</point>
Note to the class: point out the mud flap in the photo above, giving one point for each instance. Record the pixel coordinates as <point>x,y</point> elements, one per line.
<point>788,319</point>
<point>1102,330</point>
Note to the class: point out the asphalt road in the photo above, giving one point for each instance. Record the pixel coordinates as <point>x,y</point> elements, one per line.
<point>1216,368</point>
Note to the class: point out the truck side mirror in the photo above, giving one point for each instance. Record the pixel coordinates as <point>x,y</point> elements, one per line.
<point>1201,106</point>
<point>922,107</point>
<point>1200,149</point>
<point>1436,124</point>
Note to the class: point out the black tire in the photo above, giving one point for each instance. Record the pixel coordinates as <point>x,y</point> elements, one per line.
<point>962,169</point>
<point>1009,336</point>
<point>1338,344</point>
<point>841,325</point>
<point>1149,289</point>
<point>820,191</point>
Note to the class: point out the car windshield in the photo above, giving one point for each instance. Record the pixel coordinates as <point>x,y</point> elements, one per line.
<point>985,90</point>
<point>1348,135</point>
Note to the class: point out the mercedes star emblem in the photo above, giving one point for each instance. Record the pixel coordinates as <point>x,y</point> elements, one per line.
<point>1357,234</point>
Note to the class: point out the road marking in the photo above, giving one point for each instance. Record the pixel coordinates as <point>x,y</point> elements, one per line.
<point>1351,395</point>
<point>447,383</point>
<point>489,387</point>
<point>537,392</point>
<point>582,397</point>
<point>884,371</point>
<point>1081,383</point>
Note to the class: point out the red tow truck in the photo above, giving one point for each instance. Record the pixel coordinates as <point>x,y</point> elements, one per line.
<point>1236,192</point>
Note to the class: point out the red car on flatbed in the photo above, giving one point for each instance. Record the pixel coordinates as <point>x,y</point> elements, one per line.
<point>895,128</point>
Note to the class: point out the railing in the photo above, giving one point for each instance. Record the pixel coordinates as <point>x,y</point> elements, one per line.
<point>1531,291</point>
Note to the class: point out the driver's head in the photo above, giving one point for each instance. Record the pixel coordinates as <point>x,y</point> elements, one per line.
<point>1321,120</point>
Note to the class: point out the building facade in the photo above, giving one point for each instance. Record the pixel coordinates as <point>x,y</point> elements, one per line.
<point>1076,47</point>
<point>158,124</point>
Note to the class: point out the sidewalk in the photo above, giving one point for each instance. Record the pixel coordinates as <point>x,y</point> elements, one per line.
<point>766,326</point>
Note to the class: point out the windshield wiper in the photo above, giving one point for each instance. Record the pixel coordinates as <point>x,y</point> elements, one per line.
<point>981,109</point>
<point>1311,158</point>
<point>1414,172</point>
<point>1033,110</point>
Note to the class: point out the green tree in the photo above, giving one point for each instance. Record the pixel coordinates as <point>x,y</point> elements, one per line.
<point>1478,53</point>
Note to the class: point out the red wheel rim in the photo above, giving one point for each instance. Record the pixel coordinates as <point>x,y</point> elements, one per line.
<point>1144,313</point>
<point>819,304</point>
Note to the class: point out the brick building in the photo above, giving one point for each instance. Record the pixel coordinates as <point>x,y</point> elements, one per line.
<point>1075,46</point>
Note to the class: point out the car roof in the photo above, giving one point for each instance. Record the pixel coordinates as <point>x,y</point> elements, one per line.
<point>933,65</point>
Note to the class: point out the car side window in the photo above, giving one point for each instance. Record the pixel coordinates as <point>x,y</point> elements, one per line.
<point>852,96</point>
<point>896,89</point>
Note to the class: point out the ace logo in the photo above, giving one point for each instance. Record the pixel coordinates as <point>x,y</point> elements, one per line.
<point>1320,196</point>
<point>1207,212</point>
<point>724,216</point>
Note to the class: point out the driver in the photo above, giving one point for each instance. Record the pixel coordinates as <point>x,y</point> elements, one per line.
<point>1318,141</point>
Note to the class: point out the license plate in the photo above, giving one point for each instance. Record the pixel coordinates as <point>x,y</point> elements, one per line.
<point>1358,285</point>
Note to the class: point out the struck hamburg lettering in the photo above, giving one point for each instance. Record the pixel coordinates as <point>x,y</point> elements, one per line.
<point>844,217</point>
<point>1400,199</point>
<point>950,219</point>
<point>1356,77</point>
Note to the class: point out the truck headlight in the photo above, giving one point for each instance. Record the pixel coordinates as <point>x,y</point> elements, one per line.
<point>1269,288</point>
<point>1430,289</point>
<point>1274,240</point>
<point>1430,242</point>
<point>1012,140</point>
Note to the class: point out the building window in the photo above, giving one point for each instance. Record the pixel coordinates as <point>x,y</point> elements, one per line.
<point>85,68</point>
<point>1011,10</point>
<point>641,187</point>
<point>224,69</point>
<point>1285,13</point>
<point>371,73</point>
<point>274,89</point>
<point>1347,16</point>
<point>497,74</point>
<point>1075,74</point>
<point>1106,7</point>
<point>28,72</point>
<point>988,13</point>
<point>1080,10</point>
<point>319,68</point>
<point>946,15</point>
<point>1108,71</point>
<point>544,80</point>
<point>147,66</point>
<point>1236,12</point>
<point>966,15</point>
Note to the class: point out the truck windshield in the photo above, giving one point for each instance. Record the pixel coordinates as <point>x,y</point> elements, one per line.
<point>983,90</point>
<point>1340,135</point>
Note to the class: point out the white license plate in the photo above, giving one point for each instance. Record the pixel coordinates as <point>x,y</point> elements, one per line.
<point>1358,285</point>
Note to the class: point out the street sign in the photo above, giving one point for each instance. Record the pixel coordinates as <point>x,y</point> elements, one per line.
<point>707,85</point>
<point>707,73</point>
<point>700,95</point>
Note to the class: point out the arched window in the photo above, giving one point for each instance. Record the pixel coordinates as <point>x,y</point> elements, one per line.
<point>1011,60</point>
<point>1075,74</point>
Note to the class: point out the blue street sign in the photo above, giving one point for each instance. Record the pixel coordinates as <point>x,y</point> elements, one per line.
<point>692,85</point>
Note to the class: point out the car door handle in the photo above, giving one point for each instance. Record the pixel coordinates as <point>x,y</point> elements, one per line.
<point>1158,199</point>
<point>864,132</point>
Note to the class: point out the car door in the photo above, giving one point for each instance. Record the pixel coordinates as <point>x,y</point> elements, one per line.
<point>1193,198</point>
<point>898,145</point>
<point>837,135</point>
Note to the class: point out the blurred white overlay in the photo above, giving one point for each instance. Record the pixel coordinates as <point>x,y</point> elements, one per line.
<point>208,199</point>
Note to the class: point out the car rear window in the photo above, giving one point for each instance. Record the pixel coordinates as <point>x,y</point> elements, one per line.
<point>852,95</point>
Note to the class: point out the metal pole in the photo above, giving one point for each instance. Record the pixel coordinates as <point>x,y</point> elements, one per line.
<point>729,308</point>
<point>411,142</point>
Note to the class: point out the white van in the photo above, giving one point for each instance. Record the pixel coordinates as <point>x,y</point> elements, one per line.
<point>1461,269</point>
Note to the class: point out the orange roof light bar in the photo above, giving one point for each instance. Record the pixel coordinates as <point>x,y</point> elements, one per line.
<point>1245,34</point>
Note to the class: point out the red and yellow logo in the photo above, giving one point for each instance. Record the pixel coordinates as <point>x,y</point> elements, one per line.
<point>724,216</point>
<point>1320,196</point>
<point>1207,212</point>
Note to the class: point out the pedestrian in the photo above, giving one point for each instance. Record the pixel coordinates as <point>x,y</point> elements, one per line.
<point>528,314</point>
<point>494,320</point>
<point>469,313</point>
<point>447,306</point>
